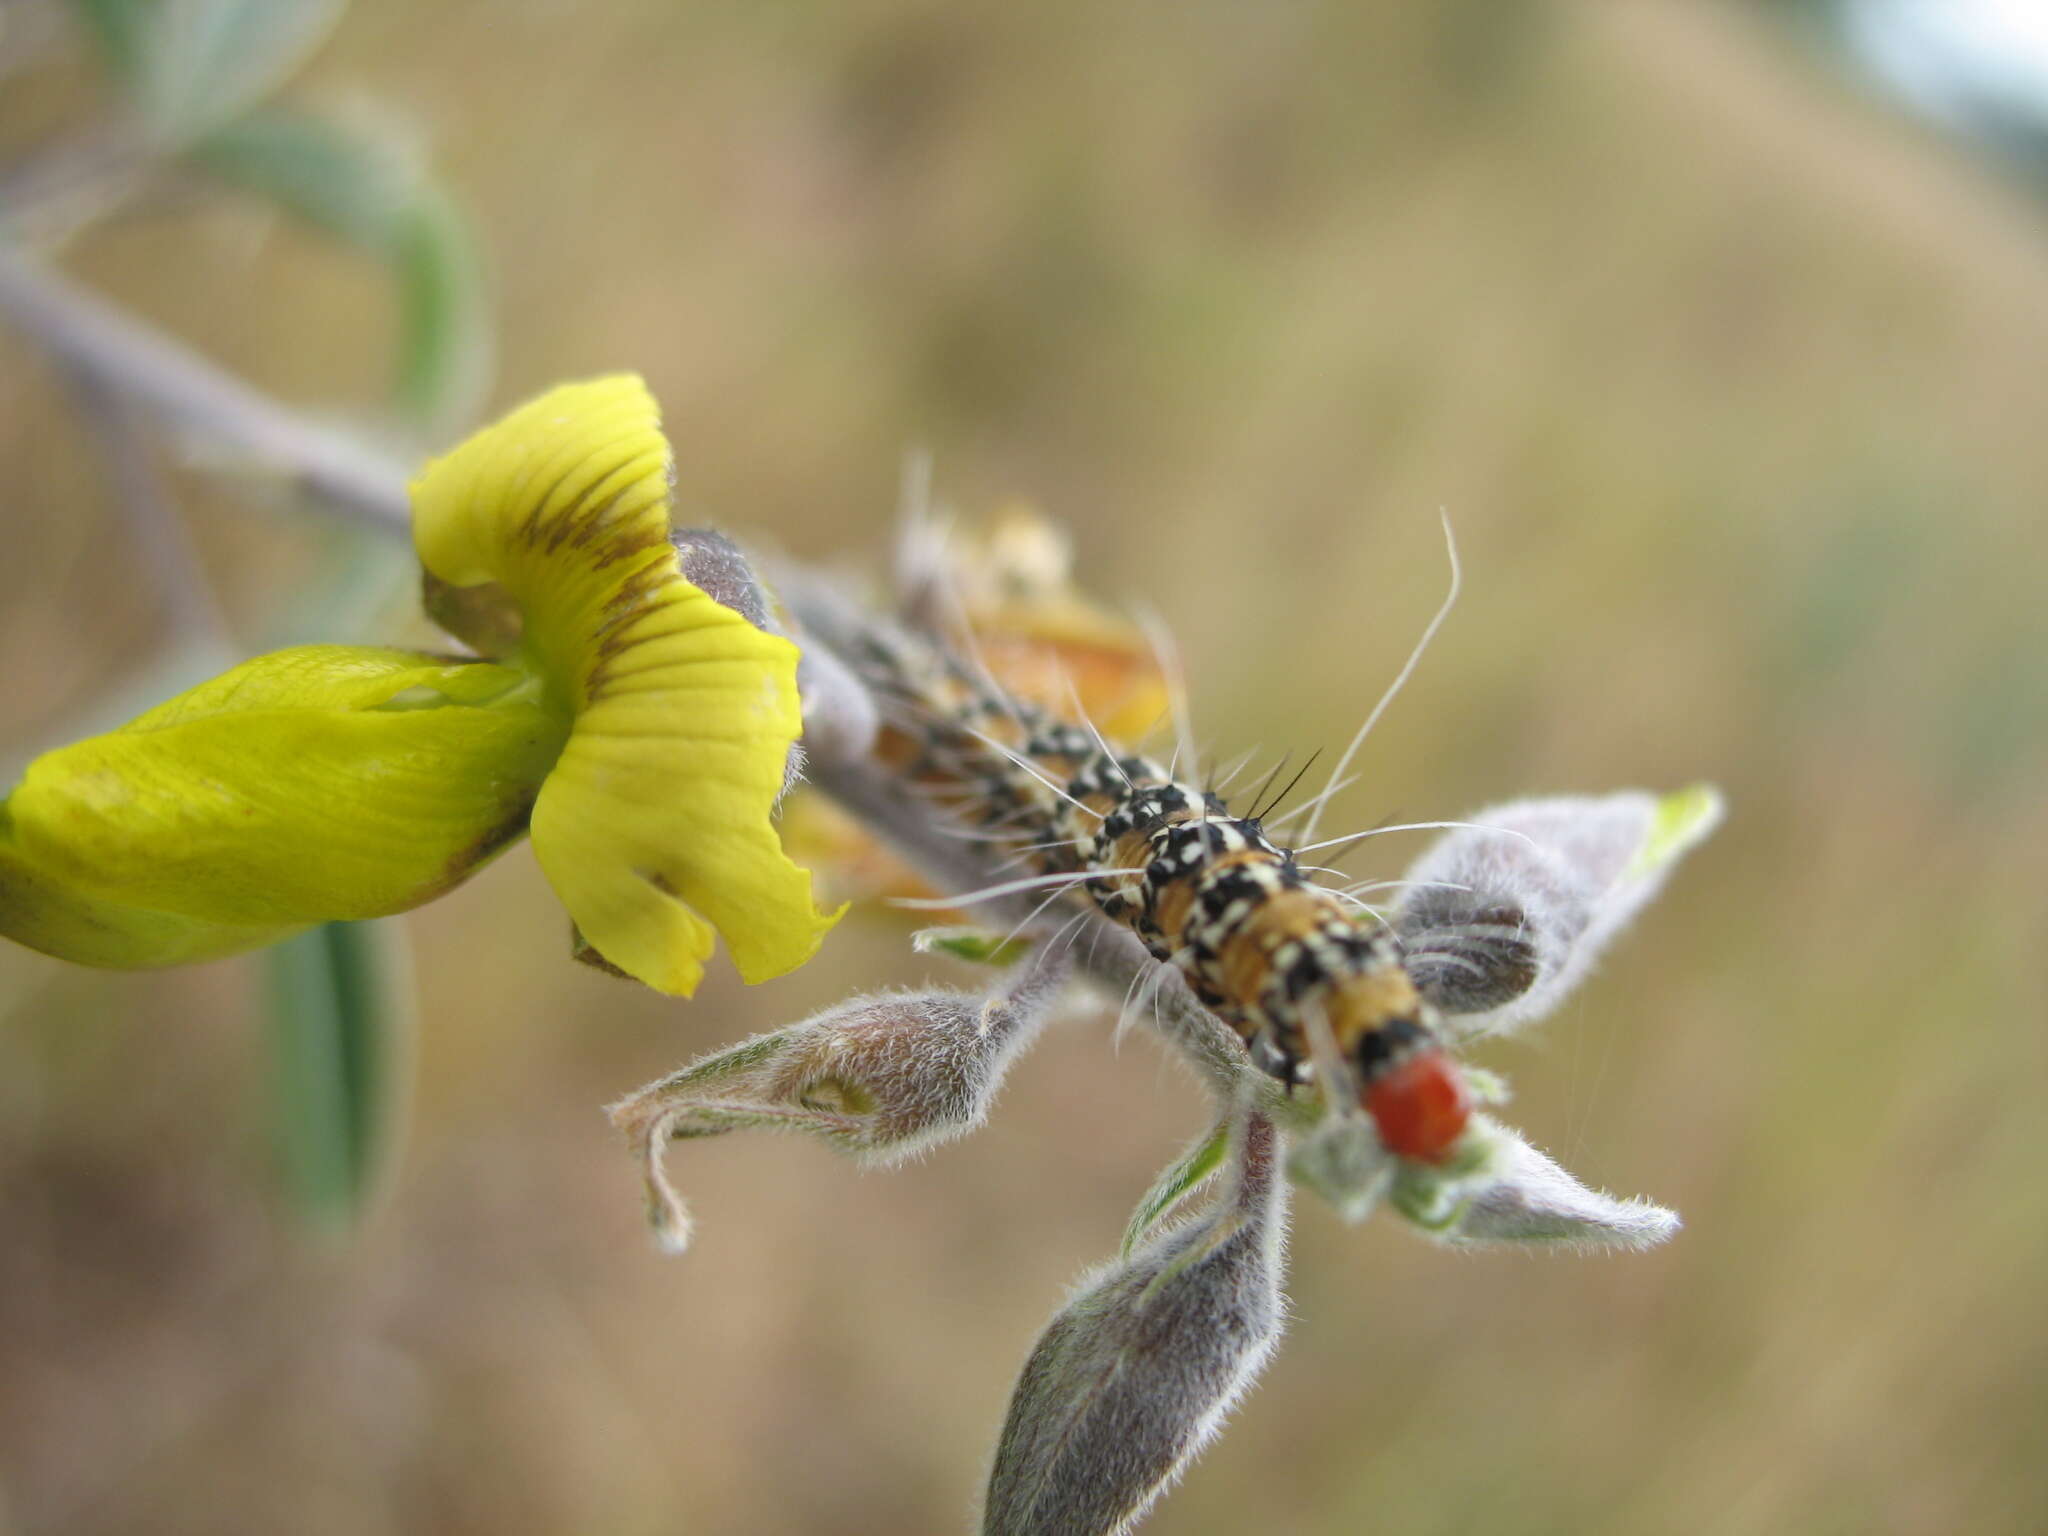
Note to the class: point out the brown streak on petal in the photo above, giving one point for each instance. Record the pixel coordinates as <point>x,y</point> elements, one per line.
<point>464,863</point>
<point>528,531</point>
<point>631,542</point>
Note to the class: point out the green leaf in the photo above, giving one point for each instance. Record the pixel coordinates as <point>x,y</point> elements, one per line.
<point>444,336</point>
<point>1681,820</point>
<point>351,181</point>
<point>120,28</point>
<point>1485,1086</point>
<point>1181,1178</point>
<point>977,946</point>
<point>191,65</point>
<point>340,1005</point>
<point>359,181</point>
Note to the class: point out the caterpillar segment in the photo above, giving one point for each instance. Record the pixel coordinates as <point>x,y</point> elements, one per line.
<point>1270,952</point>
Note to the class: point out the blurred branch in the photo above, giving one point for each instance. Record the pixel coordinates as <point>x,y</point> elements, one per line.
<point>31,31</point>
<point>144,507</point>
<point>50,197</point>
<point>145,367</point>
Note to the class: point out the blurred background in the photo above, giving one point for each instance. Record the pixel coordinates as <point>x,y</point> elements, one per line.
<point>1718,329</point>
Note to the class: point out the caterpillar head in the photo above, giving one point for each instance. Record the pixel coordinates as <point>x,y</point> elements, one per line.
<point>1412,1088</point>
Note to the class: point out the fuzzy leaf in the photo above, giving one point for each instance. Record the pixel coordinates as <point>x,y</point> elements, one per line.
<point>882,1077</point>
<point>1509,1192</point>
<point>1136,1374</point>
<point>1181,1178</point>
<point>1508,915</point>
<point>1343,1160</point>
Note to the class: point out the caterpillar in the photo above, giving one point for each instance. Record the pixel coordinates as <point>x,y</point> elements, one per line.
<point>1312,987</point>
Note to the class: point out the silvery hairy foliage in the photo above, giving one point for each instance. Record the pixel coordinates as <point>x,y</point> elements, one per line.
<point>883,1077</point>
<point>1138,1370</point>
<point>1508,915</point>
<point>1504,915</point>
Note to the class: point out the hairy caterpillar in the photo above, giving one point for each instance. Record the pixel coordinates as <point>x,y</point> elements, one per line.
<point>1316,989</point>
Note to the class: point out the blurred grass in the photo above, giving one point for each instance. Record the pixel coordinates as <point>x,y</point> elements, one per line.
<point>1731,383</point>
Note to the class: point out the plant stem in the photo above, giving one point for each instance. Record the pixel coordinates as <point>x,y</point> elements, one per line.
<point>143,504</point>
<point>142,364</point>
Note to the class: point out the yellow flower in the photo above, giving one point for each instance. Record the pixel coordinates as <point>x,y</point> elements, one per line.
<point>640,728</point>
<point>654,826</point>
<point>318,783</point>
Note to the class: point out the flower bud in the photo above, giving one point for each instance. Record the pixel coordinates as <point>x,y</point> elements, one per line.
<point>882,1077</point>
<point>312,784</point>
<point>1136,1374</point>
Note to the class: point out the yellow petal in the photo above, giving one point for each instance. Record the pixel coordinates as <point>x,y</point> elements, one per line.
<point>40,910</point>
<point>654,827</point>
<point>318,783</point>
